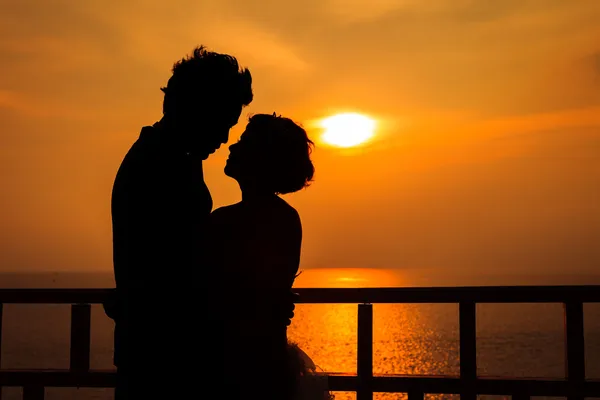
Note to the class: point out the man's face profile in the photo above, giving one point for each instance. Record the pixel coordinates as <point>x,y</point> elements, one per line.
<point>208,129</point>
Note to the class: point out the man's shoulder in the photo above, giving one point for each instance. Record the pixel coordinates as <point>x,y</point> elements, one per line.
<point>140,161</point>
<point>143,150</point>
<point>147,142</point>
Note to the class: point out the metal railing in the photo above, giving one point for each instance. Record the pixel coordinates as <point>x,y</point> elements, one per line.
<point>574,386</point>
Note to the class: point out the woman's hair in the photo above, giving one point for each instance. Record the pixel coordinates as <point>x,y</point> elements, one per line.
<point>283,149</point>
<point>207,77</point>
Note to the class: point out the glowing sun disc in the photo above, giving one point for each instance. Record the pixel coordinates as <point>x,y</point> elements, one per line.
<point>347,130</point>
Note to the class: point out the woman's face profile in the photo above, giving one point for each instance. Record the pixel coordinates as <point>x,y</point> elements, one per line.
<point>244,155</point>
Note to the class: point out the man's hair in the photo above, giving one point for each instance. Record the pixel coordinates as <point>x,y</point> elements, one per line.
<point>206,77</point>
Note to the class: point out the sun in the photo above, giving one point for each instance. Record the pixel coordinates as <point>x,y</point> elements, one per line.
<point>347,129</point>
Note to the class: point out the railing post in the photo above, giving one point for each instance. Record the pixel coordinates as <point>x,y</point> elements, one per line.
<point>575,348</point>
<point>81,318</point>
<point>1,317</point>
<point>33,392</point>
<point>468,349</point>
<point>416,395</point>
<point>364,356</point>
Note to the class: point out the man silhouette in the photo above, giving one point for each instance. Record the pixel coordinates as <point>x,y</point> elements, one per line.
<point>160,204</point>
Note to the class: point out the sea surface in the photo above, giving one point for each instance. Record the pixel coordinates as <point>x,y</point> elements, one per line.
<point>523,340</point>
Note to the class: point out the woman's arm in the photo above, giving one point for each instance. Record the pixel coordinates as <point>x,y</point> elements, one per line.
<point>278,259</point>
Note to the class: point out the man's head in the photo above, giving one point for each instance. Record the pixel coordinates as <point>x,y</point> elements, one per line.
<point>204,99</point>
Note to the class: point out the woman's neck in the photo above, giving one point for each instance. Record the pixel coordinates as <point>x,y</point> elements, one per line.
<point>251,194</point>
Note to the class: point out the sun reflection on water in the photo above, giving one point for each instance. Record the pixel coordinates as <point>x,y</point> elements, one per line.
<point>408,338</point>
<point>348,278</point>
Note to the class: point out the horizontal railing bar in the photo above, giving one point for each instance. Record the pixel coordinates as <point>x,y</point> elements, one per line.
<point>481,386</point>
<point>477,294</point>
<point>54,296</point>
<point>337,382</point>
<point>58,378</point>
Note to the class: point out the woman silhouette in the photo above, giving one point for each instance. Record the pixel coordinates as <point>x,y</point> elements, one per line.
<point>255,246</point>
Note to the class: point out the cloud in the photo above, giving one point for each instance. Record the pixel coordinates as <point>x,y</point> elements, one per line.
<point>595,62</point>
<point>467,140</point>
<point>30,106</point>
<point>160,34</point>
<point>363,10</point>
<point>567,119</point>
<point>256,45</point>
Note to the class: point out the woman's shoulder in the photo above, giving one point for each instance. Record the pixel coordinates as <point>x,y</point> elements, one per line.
<point>285,213</point>
<point>224,215</point>
<point>286,221</point>
<point>274,214</point>
<point>286,209</point>
<point>225,210</point>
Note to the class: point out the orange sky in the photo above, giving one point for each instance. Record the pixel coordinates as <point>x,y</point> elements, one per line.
<point>488,158</point>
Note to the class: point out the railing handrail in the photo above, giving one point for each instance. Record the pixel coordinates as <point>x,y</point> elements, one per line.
<point>476,294</point>
<point>341,381</point>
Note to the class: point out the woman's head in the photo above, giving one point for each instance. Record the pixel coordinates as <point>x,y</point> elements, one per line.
<point>273,154</point>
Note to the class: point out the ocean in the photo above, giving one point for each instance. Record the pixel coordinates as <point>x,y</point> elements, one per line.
<point>522,340</point>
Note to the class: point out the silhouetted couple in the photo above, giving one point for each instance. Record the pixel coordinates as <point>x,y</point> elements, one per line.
<point>203,300</point>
